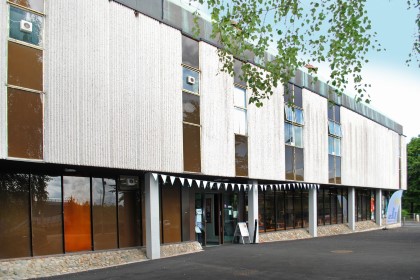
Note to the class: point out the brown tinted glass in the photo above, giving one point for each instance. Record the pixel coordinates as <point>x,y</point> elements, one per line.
<point>14,216</point>
<point>171,213</point>
<point>190,53</point>
<point>290,159</point>
<point>129,218</point>
<point>191,108</point>
<point>241,155</point>
<point>327,206</point>
<point>305,208</point>
<point>320,203</point>
<point>192,151</point>
<point>261,212</point>
<point>280,210</point>
<point>25,66</point>
<point>25,129</point>
<point>47,226</point>
<point>338,170</point>
<point>298,96</point>
<point>188,214</point>
<point>36,5</point>
<point>290,217</point>
<point>298,208</point>
<point>299,164</point>
<point>104,212</point>
<point>333,203</point>
<point>331,169</point>
<point>270,215</point>
<point>77,231</point>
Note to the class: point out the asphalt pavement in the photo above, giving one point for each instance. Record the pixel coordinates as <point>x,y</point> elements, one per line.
<point>380,254</point>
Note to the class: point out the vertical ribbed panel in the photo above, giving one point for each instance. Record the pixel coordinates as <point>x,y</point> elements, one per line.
<point>266,138</point>
<point>403,162</point>
<point>315,137</point>
<point>3,68</point>
<point>216,104</point>
<point>105,104</point>
<point>369,153</point>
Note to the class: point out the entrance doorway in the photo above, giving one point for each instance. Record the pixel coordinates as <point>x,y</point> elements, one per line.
<point>217,215</point>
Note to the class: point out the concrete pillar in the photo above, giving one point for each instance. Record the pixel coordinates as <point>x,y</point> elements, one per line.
<point>152,217</point>
<point>313,213</point>
<point>378,207</point>
<point>253,211</point>
<point>352,209</point>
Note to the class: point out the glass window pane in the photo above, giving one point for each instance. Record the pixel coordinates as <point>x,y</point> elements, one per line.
<point>334,203</point>
<point>270,220</point>
<point>298,136</point>
<point>241,155</point>
<point>331,169</point>
<point>14,216</point>
<point>337,147</point>
<point>289,114</point>
<point>237,71</point>
<point>299,116</point>
<point>288,94</point>
<point>171,213</point>
<point>288,134</point>
<point>25,124</point>
<point>261,213</point>
<point>338,170</point>
<point>36,5</point>
<point>190,52</point>
<point>305,208</point>
<point>191,108</point>
<point>290,218</point>
<point>190,80</point>
<point>327,206</point>
<point>290,162</point>
<point>239,97</point>
<point>331,127</point>
<point>104,211</point>
<point>337,113</point>
<point>298,209</point>
<point>320,204</point>
<point>32,22</point>
<point>240,121</point>
<point>77,227</point>
<point>24,66</point>
<point>280,210</point>
<point>129,209</point>
<point>47,227</point>
<point>331,145</point>
<point>330,111</point>
<point>298,96</point>
<point>337,130</point>
<point>299,168</point>
<point>192,151</point>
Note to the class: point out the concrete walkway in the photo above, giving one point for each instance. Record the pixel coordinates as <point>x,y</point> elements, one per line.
<point>380,254</point>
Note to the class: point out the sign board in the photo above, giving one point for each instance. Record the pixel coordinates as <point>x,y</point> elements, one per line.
<point>392,214</point>
<point>241,231</point>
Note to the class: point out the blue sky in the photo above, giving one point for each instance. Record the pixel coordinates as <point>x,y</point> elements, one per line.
<point>395,89</point>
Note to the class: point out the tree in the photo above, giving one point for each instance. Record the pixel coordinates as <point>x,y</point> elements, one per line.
<point>337,32</point>
<point>411,201</point>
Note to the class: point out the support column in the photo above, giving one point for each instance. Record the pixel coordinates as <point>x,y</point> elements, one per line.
<point>152,217</point>
<point>352,208</point>
<point>313,221</point>
<point>253,211</point>
<point>378,207</point>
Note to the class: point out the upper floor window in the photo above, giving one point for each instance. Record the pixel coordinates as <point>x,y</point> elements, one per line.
<point>334,144</point>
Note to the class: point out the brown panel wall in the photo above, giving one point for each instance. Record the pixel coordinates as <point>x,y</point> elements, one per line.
<point>192,152</point>
<point>171,214</point>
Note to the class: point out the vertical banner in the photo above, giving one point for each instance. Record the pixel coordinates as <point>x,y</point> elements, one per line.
<point>393,207</point>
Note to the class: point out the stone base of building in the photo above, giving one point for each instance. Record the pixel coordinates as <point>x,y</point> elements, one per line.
<point>284,235</point>
<point>169,250</point>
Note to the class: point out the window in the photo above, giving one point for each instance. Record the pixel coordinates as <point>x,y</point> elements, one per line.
<point>293,133</point>
<point>191,105</point>
<point>241,155</point>
<point>171,212</point>
<point>334,144</point>
<point>25,79</point>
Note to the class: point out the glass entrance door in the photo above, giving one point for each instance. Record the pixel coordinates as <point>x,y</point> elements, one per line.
<point>230,215</point>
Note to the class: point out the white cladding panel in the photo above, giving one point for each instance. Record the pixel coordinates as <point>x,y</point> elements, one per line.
<point>106,103</point>
<point>369,153</point>
<point>266,138</point>
<point>3,68</point>
<point>403,162</point>
<point>216,105</point>
<point>315,137</point>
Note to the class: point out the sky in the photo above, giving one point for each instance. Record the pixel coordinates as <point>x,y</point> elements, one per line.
<point>395,87</point>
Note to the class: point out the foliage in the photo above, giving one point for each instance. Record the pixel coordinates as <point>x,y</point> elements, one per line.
<point>412,195</point>
<point>415,54</point>
<point>301,32</point>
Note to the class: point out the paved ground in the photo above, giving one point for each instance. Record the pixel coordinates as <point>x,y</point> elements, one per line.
<point>381,254</point>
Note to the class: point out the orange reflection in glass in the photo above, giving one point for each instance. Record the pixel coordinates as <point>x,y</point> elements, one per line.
<point>77,226</point>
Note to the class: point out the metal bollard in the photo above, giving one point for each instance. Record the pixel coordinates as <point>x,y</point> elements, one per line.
<point>417,218</point>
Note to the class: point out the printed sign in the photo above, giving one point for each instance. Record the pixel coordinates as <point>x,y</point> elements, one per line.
<point>394,207</point>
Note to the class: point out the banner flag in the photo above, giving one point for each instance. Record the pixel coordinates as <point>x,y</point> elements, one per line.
<point>394,207</point>
<point>189,182</point>
<point>163,178</point>
<point>172,178</point>
<point>218,185</point>
<point>198,182</point>
<point>155,176</point>
<point>226,186</point>
<point>182,181</point>
<point>205,184</point>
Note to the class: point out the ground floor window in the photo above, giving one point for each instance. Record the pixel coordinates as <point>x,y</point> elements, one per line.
<point>44,214</point>
<point>365,205</point>
<point>332,205</point>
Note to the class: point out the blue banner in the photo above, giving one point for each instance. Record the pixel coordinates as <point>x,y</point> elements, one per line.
<point>393,207</point>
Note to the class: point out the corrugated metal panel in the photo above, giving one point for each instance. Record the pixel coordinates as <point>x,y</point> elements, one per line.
<point>315,138</point>
<point>216,104</point>
<point>3,68</point>
<point>403,163</point>
<point>369,153</point>
<point>105,102</point>
<point>266,138</point>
